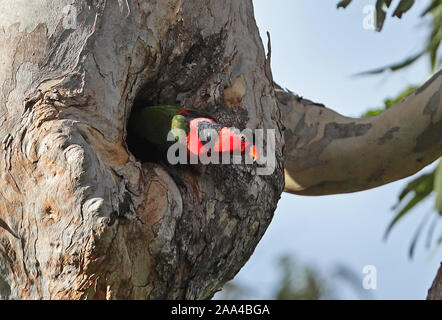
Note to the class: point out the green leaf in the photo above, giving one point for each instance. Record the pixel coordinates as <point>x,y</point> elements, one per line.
<point>390,102</point>
<point>421,188</point>
<point>433,5</point>
<point>393,67</point>
<point>424,185</point>
<point>380,13</point>
<point>432,44</point>
<point>414,201</point>
<point>416,235</point>
<point>431,231</point>
<point>417,185</point>
<point>299,282</point>
<point>438,187</point>
<point>343,4</point>
<point>372,112</point>
<point>405,93</point>
<point>403,7</point>
<point>435,36</point>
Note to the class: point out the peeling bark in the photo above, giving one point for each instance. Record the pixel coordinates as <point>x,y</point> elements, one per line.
<point>435,292</point>
<point>82,218</point>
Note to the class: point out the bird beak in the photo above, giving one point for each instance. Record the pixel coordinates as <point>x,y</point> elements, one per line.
<point>254,153</point>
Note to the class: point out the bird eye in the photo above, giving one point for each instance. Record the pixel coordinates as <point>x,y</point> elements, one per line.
<point>243,138</point>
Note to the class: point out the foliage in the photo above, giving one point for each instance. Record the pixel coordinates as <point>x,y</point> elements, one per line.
<point>390,102</point>
<point>416,191</point>
<point>402,7</point>
<point>427,184</point>
<point>300,282</point>
<point>432,45</point>
<point>296,282</point>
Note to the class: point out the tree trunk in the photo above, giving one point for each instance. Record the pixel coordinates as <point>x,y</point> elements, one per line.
<point>435,292</point>
<point>81,216</point>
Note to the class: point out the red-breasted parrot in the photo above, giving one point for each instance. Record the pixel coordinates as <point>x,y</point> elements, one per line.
<point>153,123</point>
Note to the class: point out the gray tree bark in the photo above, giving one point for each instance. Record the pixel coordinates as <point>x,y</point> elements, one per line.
<point>81,217</point>
<point>435,292</point>
<point>327,153</point>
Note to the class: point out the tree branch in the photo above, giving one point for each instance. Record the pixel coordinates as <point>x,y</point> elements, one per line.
<point>327,153</point>
<point>435,292</point>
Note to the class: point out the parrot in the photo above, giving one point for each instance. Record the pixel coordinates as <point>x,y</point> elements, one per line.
<point>153,124</point>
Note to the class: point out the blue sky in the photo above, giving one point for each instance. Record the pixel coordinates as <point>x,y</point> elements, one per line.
<point>315,50</point>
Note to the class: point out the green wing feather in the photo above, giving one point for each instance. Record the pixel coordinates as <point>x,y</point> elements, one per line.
<point>154,123</point>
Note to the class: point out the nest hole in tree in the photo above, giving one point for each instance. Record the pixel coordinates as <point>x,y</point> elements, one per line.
<point>181,72</point>
<point>142,149</point>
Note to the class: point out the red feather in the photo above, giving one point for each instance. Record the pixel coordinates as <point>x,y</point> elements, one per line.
<point>227,141</point>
